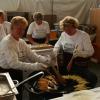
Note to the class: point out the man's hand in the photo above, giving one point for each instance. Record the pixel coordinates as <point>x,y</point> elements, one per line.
<point>46,42</point>
<point>34,43</point>
<point>79,53</point>
<point>76,53</point>
<point>41,66</point>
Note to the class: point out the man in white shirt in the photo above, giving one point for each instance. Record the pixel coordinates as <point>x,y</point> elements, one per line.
<point>4,25</point>
<point>38,31</point>
<point>15,53</point>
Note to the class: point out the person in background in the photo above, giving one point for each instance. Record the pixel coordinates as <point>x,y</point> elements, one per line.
<point>38,31</point>
<point>15,54</point>
<point>76,48</point>
<point>4,25</point>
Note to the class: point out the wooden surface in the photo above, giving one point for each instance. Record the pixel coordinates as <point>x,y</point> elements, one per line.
<point>95,20</point>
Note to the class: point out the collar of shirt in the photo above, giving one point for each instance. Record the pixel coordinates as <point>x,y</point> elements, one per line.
<point>13,39</point>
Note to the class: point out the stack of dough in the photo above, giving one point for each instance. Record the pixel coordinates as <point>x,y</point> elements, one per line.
<point>41,46</point>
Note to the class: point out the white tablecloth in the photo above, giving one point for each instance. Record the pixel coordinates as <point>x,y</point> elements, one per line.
<point>44,51</point>
<point>93,94</point>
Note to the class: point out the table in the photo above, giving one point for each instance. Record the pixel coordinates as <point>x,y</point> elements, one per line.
<point>92,94</point>
<point>42,49</point>
<point>14,98</point>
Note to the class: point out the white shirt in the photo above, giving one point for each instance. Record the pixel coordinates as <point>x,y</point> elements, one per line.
<point>80,39</point>
<point>4,29</point>
<point>16,54</point>
<point>38,31</point>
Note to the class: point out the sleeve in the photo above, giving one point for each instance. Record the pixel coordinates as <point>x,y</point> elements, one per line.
<point>12,60</point>
<point>34,57</point>
<point>87,46</point>
<point>2,32</point>
<point>59,42</point>
<point>47,28</point>
<point>30,29</point>
<point>57,46</point>
<point>8,28</point>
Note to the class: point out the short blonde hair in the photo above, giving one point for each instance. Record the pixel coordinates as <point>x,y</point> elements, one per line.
<point>67,21</point>
<point>18,20</point>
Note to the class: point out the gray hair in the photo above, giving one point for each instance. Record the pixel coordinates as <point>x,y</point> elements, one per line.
<point>38,16</point>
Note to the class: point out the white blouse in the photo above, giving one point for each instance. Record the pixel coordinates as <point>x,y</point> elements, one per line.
<point>80,39</point>
<point>38,31</point>
<point>4,29</point>
<point>17,55</point>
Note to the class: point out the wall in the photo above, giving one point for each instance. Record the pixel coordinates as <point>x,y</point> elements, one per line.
<point>95,20</point>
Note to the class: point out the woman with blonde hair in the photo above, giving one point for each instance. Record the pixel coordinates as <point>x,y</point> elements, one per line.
<point>16,56</point>
<point>76,47</point>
